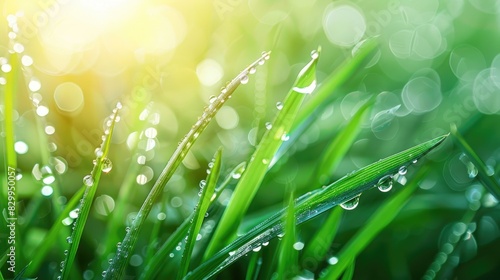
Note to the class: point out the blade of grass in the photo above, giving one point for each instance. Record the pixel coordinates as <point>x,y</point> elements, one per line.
<point>376,223</point>
<point>314,203</point>
<point>488,179</point>
<point>153,266</point>
<point>316,250</point>
<point>340,145</point>
<point>199,214</point>
<point>287,263</point>
<point>253,267</point>
<point>119,262</point>
<point>327,91</point>
<point>349,273</point>
<point>261,158</point>
<point>51,237</point>
<point>90,183</point>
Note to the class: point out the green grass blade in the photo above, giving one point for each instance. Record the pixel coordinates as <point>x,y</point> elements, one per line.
<point>327,91</point>
<point>119,262</point>
<point>262,157</point>
<point>287,263</point>
<point>254,266</point>
<point>349,273</point>
<point>316,250</point>
<point>486,177</point>
<point>154,264</point>
<point>341,144</point>
<point>90,183</point>
<point>382,217</point>
<point>51,237</point>
<point>314,203</point>
<point>335,80</point>
<point>199,214</point>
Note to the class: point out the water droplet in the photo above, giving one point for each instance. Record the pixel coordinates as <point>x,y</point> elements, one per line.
<point>350,204</point>
<point>88,180</point>
<point>265,243</point>
<point>212,99</point>
<point>98,152</point>
<point>385,183</point>
<point>127,229</point>
<point>285,137</point>
<point>279,105</point>
<point>232,253</point>
<point>298,246</point>
<point>314,54</point>
<point>103,274</point>
<point>118,245</point>
<point>171,255</point>
<point>66,252</point>
<point>244,79</point>
<point>266,55</point>
<point>252,70</point>
<point>256,249</point>
<point>265,161</point>
<point>261,61</point>
<point>471,168</point>
<point>69,239</point>
<point>414,161</point>
<point>402,170</point>
<point>107,165</point>
<point>269,125</point>
<point>202,184</point>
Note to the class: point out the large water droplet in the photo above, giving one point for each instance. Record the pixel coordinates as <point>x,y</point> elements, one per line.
<point>385,183</point>
<point>351,204</point>
<point>107,165</point>
<point>88,180</point>
<point>402,170</point>
<point>244,79</point>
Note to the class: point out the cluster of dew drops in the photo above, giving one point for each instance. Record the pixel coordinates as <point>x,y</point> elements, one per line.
<point>384,185</point>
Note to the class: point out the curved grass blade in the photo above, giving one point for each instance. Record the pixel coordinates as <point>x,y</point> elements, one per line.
<point>119,262</point>
<point>287,263</point>
<point>253,267</point>
<point>486,177</point>
<point>314,203</point>
<point>199,214</point>
<point>341,144</point>
<point>90,183</point>
<point>380,219</point>
<point>262,157</point>
<point>154,264</point>
<point>51,237</point>
<point>316,250</point>
<point>327,90</point>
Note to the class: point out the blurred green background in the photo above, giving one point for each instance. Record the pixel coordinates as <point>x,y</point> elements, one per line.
<point>437,63</point>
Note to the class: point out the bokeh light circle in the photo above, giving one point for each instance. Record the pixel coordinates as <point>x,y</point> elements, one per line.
<point>344,25</point>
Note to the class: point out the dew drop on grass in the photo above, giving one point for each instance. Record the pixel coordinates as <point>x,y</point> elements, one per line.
<point>471,168</point>
<point>314,54</point>
<point>279,106</point>
<point>171,255</point>
<point>107,165</point>
<point>350,204</point>
<point>252,70</point>
<point>269,125</point>
<point>103,274</point>
<point>285,137</point>
<point>298,246</point>
<point>385,183</point>
<point>69,239</point>
<point>212,99</point>
<point>265,161</point>
<point>244,79</point>
<point>265,243</point>
<point>261,61</point>
<point>88,180</point>
<point>256,249</point>
<point>402,170</point>
<point>414,161</point>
